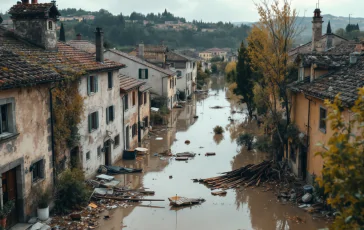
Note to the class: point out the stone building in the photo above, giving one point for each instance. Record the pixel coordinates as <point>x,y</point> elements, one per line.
<point>162,81</point>
<point>186,69</point>
<point>31,61</point>
<point>136,111</point>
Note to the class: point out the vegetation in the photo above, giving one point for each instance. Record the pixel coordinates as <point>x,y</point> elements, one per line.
<point>182,95</point>
<point>246,139</point>
<point>218,130</point>
<point>350,34</point>
<point>7,208</point>
<point>202,76</point>
<point>230,72</point>
<point>343,172</point>
<point>269,43</point>
<point>62,34</point>
<point>41,197</point>
<point>71,191</point>
<point>120,32</point>
<point>68,111</point>
<point>157,118</point>
<point>244,79</point>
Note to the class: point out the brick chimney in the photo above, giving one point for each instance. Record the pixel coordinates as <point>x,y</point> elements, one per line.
<point>316,30</point>
<point>34,1</point>
<point>79,37</point>
<point>25,2</point>
<point>141,50</point>
<point>99,44</point>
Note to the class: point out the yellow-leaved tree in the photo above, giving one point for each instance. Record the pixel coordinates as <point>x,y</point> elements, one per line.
<point>343,172</point>
<point>230,71</point>
<point>269,42</point>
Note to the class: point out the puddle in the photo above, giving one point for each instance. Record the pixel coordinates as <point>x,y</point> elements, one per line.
<point>239,209</point>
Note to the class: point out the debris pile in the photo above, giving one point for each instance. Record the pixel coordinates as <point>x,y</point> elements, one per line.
<point>183,201</point>
<point>248,175</point>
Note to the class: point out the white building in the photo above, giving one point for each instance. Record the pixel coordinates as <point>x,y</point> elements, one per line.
<point>162,81</point>
<point>186,68</point>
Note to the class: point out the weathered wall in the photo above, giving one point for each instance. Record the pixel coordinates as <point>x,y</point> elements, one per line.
<point>131,118</point>
<point>31,109</point>
<point>184,82</point>
<point>99,101</point>
<point>145,112</point>
<point>37,31</point>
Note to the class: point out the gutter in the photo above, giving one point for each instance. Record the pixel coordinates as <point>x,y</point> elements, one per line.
<point>52,136</point>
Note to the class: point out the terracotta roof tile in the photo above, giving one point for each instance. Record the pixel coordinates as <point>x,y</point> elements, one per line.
<point>129,83</point>
<point>66,62</point>
<point>174,56</point>
<point>84,45</point>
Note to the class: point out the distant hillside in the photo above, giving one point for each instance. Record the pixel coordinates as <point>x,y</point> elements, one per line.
<point>337,22</point>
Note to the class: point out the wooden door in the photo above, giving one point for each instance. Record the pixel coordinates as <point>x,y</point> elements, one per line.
<point>10,193</point>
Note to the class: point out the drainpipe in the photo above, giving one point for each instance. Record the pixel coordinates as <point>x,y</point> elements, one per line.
<point>308,130</point>
<point>52,135</point>
<point>139,129</point>
<point>122,99</point>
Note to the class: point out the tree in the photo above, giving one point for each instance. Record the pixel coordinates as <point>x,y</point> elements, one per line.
<point>244,79</point>
<point>214,68</point>
<point>343,172</point>
<point>269,42</point>
<point>62,34</point>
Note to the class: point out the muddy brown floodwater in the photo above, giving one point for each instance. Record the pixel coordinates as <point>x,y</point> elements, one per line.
<point>239,209</point>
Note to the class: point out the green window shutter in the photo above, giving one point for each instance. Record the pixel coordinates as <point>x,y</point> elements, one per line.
<point>140,73</point>
<point>113,113</point>
<point>88,85</point>
<point>89,123</point>
<point>96,84</point>
<point>146,73</point>
<point>97,119</point>
<point>107,116</point>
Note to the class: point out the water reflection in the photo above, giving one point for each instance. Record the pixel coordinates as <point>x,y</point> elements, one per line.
<point>239,209</point>
<point>218,138</point>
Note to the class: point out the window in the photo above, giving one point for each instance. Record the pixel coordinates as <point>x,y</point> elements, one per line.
<point>134,131</point>
<point>143,73</point>
<point>110,114</point>
<point>117,141</point>
<point>4,116</point>
<point>93,121</point>
<point>134,97</point>
<point>92,84</point>
<point>109,80</point>
<point>99,151</point>
<point>126,102</point>
<point>301,74</point>
<point>179,73</point>
<point>37,170</point>
<point>146,122</point>
<point>50,25</point>
<point>145,97</point>
<point>323,114</point>
<point>88,155</point>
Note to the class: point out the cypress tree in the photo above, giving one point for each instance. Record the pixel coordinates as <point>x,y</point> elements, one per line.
<point>244,79</point>
<point>62,34</point>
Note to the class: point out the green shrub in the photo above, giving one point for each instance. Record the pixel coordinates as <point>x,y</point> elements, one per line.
<point>157,119</point>
<point>246,139</point>
<point>7,208</point>
<point>218,130</point>
<point>71,191</point>
<point>182,95</point>
<point>41,197</point>
<point>164,110</point>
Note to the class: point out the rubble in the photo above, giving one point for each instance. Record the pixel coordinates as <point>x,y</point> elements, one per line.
<point>183,201</point>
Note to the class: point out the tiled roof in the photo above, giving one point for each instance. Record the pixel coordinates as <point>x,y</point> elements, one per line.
<point>15,71</point>
<point>144,88</point>
<point>32,9</point>
<point>67,61</point>
<point>214,50</point>
<point>324,60</point>
<point>129,83</point>
<point>84,45</point>
<point>142,62</point>
<point>345,81</point>
<point>173,56</point>
<point>153,48</point>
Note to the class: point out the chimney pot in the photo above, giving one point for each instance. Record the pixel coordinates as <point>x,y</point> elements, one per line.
<point>25,2</point>
<point>99,34</point>
<point>79,37</point>
<point>141,50</point>
<point>34,1</point>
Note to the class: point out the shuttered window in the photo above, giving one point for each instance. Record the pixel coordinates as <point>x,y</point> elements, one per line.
<point>93,121</point>
<point>38,170</point>
<point>126,102</point>
<point>92,84</point>
<point>110,80</point>
<point>110,114</point>
<point>134,97</point>
<point>143,73</point>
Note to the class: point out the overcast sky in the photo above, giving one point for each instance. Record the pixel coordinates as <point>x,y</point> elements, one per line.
<point>207,10</point>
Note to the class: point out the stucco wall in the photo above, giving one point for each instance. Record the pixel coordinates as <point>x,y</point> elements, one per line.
<point>99,101</point>
<point>31,107</point>
<point>157,80</point>
<point>131,118</point>
<point>145,112</point>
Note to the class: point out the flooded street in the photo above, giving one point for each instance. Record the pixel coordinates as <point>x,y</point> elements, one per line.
<point>243,208</point>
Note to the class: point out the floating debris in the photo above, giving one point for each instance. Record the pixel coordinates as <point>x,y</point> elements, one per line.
<point>186,154</point>
<point>182,201</point>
